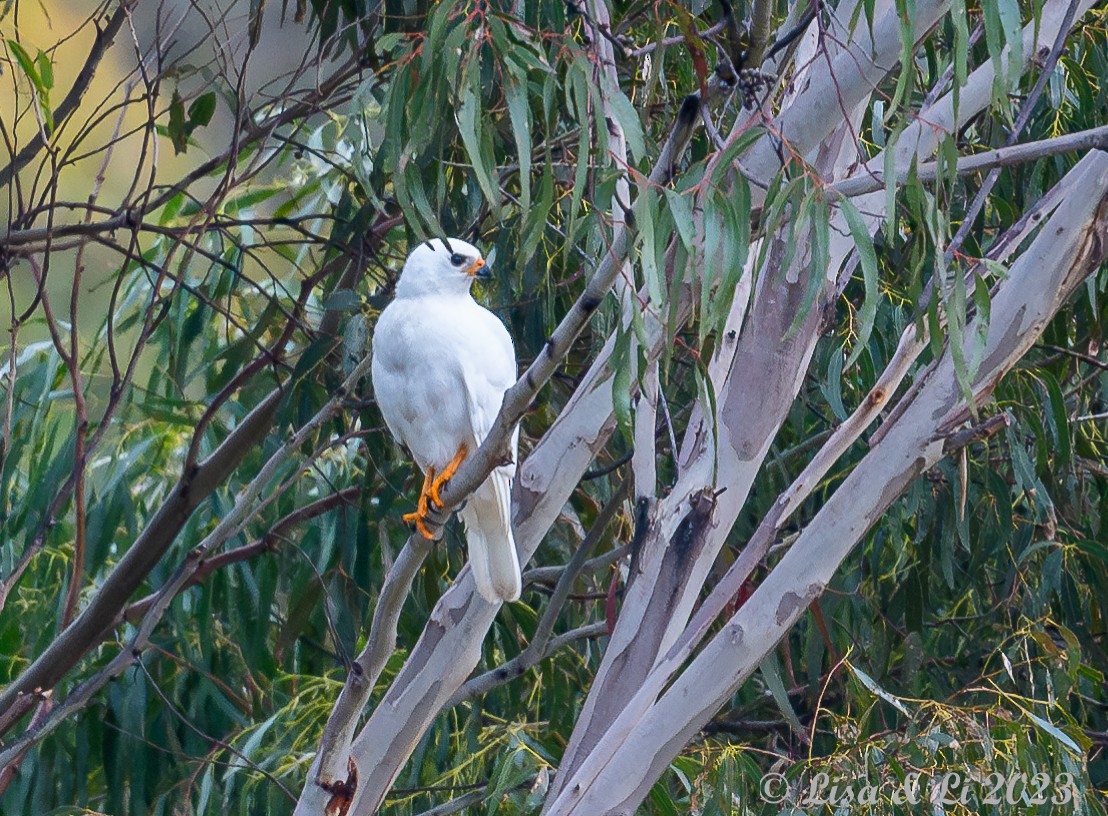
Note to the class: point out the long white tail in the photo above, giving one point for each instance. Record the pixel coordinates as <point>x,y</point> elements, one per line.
<point>492,548</point>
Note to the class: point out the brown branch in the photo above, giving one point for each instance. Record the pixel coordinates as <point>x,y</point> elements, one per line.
<point>80,422</point>
<point>134,612</point>
<point>975,433</point>
<point>1077,355</point>
<point>45,704</point>
<point>104,38</point>
<point>326,92</point>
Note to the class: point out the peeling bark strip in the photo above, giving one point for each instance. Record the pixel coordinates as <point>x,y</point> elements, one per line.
<point>792,604</point>
<point>690,533</point>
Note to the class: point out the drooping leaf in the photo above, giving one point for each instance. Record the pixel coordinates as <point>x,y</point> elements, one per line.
<point>867,257</point>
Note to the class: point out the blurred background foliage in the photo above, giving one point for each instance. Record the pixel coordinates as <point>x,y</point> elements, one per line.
<point>967,634</point>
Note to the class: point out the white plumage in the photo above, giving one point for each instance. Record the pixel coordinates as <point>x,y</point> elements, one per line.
<point>441,365</point>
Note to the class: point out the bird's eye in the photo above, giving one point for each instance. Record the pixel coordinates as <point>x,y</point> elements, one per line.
<point>457,259</point>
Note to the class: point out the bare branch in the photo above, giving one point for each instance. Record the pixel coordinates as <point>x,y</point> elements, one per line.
<point>104,38</point>
<point>1017,154</point>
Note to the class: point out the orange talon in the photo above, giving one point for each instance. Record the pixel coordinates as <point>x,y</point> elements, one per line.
<point>414,518</point>
<point>422,507</point>
<point>447,472</point>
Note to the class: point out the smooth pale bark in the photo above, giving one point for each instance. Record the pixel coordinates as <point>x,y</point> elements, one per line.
<point>1070,246</point>
<point>831,92</point>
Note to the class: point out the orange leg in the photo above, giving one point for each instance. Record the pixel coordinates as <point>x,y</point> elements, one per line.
<point>420,513</point>
<point>447,472</point>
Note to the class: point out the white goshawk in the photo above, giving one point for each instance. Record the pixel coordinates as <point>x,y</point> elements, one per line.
<point>441,365</point>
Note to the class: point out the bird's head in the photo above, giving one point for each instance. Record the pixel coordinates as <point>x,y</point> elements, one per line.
<point>438,267</point>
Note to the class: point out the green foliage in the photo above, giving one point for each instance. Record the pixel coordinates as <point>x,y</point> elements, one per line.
<point>39,72</point>
<point>182,126</point>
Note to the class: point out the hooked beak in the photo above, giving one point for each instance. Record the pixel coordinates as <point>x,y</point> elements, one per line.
<point>479,269</point>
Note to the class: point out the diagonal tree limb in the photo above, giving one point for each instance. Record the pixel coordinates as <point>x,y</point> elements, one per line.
<point>845,435</point>
<point>92,624</point>
<point>541,644</point>
<point>133,612</point>
<point>249,500</point>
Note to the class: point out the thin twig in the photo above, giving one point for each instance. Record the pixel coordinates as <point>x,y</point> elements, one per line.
<point>1021,121</point>
<point>104,38</point>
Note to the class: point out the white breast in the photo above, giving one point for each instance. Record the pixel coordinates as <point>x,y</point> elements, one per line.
<point>441,365</point>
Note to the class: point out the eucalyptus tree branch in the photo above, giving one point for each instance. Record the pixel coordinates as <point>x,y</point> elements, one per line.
<point>787,39</point>
<point>665,42</point>
<point>546,575</point>
<point>458,804</point>
<point>134,611</point>
<point>541,645</point>
<point>921,137</point>
<point>524,662</point>
<point>364,671</point>
<point>1009,156</point>
<point>643,452</point>
<point>43,704</point>
<point>761,25</point>
<point>247,503</point>
<point>689,525</point>
<point>1026,107</point>
<point>852,77</point>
